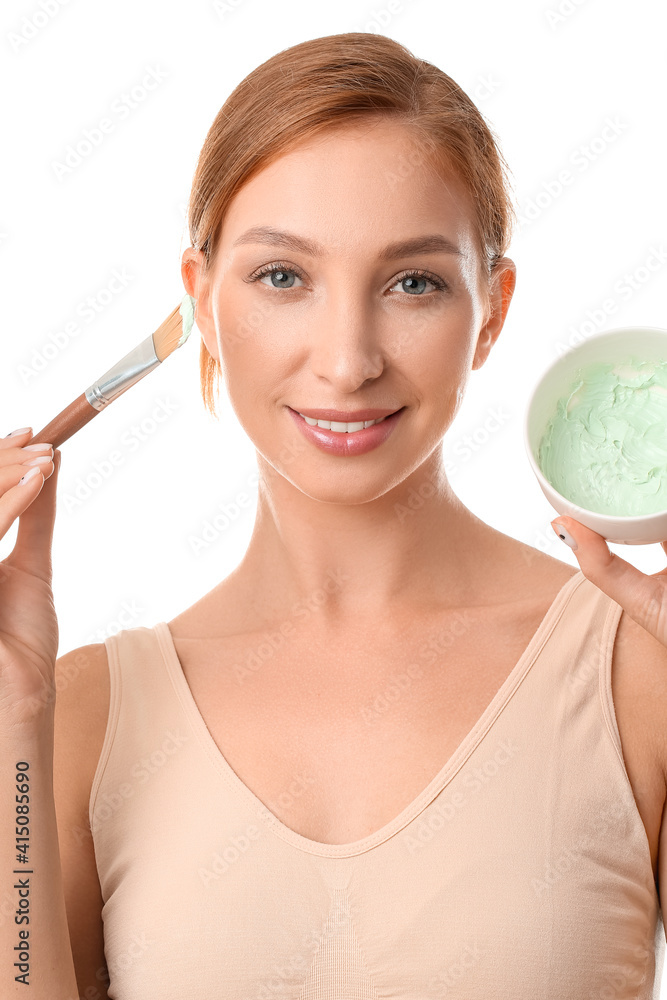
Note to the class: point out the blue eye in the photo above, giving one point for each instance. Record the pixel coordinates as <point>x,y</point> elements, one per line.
<point>278,271</point>
<point>419,279</point>
<point>280,274</point>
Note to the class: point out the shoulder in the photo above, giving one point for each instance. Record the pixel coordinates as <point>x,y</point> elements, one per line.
<point>639,687</point>
<point>80,719</point>
<point>82,691</point>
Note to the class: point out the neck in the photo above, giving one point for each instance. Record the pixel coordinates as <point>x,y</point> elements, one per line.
<point>414,547</point>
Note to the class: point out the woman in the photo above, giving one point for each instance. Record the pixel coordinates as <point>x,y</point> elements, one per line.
<point>382,757</point>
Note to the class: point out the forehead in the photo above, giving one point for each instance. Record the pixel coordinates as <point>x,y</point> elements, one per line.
<point>354,183</point>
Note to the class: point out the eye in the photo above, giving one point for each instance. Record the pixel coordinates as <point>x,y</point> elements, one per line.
<point>282,273</point>
<point>418,279</point>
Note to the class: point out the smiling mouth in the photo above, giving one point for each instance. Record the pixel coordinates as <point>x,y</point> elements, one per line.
<point>331,421</point>
<point>339,426</point>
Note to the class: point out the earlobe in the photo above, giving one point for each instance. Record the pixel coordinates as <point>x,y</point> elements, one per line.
<point>485,342</point>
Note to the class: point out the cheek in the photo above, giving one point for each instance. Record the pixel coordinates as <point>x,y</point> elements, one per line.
<point>444,347</point>
<point>249,353</point>
<point>442,368</point>
<point>239,329</point>
<point>249,323</point>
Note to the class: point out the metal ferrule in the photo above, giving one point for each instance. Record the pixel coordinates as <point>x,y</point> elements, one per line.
<point>122,376</point>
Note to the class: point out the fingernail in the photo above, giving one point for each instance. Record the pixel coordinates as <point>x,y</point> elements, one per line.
<point>564,534</point>
<point>29,474</point>
<point>21,430</point>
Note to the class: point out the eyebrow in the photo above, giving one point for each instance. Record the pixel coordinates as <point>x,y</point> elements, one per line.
<point>432,243</point>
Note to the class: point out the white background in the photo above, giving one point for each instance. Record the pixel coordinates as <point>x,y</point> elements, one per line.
<point>547,82</point>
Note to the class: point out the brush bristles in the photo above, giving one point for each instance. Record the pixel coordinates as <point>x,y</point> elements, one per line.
<point>167,336</point>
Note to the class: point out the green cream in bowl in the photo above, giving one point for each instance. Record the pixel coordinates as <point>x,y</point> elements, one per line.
<point>596,434</point>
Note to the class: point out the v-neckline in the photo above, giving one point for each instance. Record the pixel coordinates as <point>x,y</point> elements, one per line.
<point>434,787</point>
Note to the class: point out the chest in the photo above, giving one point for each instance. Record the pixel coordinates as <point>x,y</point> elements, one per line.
<point>337,742</point>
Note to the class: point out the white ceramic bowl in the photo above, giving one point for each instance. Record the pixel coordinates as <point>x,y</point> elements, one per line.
<point>645,343</point>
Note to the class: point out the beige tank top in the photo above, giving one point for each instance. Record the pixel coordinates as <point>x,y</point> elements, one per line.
<point>521,871</point>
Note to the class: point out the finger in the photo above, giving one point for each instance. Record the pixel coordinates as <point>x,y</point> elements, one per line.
<point>15,499</point>
<point>14,440</point>
<point>32,551</point>
<point>638,594</point>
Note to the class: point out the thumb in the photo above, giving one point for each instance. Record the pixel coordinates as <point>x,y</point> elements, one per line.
<point>32,551</point>
<point>636,592</point>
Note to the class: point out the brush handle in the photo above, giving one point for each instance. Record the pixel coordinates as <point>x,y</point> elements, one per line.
<point>68,422</point>
<point>141,360</point>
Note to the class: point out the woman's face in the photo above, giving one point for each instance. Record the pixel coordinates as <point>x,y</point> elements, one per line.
<point>348,320</point>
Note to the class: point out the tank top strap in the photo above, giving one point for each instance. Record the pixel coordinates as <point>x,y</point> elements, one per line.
<point>145,720</point>
<point>578,648</point>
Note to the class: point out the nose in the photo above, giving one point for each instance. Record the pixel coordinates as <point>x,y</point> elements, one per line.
<point>346,348</point>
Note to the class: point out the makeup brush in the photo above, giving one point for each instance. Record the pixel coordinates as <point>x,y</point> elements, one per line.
<point>139,362</point>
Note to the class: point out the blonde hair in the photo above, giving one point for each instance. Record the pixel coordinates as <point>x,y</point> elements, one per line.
<point>330,82</point>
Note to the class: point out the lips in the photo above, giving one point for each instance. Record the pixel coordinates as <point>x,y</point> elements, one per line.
<point>347,444</point>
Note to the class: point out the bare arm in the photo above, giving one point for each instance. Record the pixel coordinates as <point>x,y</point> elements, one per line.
<point>82,708</point>
<point>42,893</point>
<point>34,936</point>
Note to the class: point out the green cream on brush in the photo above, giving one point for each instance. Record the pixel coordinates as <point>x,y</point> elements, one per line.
<point>605,449</point>
<point>187,311</point>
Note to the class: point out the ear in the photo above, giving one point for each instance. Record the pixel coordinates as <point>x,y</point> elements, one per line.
<point>197,283</point>
<point>501,289</point>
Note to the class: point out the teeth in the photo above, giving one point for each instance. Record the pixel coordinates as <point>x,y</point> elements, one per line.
<point>341,428</point>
